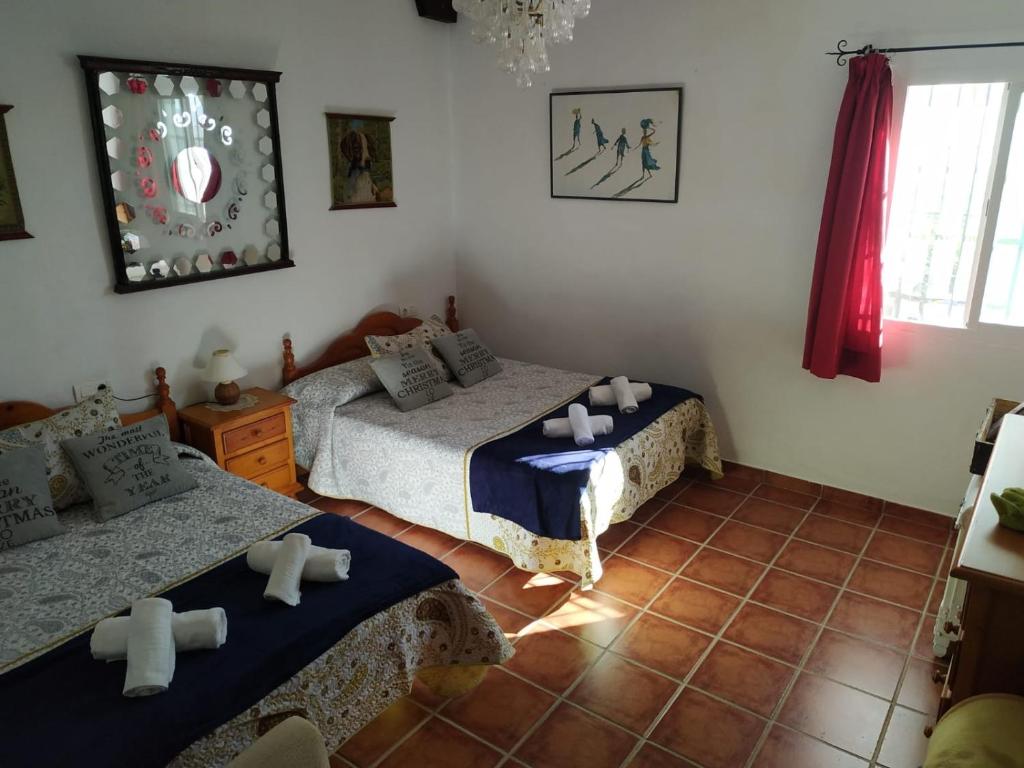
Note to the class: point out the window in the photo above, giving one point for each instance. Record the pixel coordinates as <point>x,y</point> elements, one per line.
<point>955,249</point>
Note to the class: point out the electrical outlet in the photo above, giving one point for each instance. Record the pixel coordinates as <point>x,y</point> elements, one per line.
<point>408,310</point>
<point>87,389</point>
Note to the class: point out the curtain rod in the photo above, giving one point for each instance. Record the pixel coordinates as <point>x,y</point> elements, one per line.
<point>842,53</point>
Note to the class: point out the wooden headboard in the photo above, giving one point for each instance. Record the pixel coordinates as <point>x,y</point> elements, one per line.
<point>351,345</point>
<point>15,412</point>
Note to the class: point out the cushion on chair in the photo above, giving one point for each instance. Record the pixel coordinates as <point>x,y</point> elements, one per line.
<point>981,732</point>
<point>294,743</point>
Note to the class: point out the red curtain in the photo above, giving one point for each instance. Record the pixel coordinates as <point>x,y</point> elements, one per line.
<point>844,319</point>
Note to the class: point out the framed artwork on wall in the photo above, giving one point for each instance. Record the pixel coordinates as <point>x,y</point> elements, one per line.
<point>359,147</point>
<point>190,170</point>
<point>12,221</point>
<point>620,144</point>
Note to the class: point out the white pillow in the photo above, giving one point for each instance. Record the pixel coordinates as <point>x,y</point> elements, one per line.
<point>420,336</point>
<point>97,414</point>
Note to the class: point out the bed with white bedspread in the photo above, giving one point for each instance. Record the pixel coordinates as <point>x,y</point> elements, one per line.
<point>415,465</point>
<point>53,591</point>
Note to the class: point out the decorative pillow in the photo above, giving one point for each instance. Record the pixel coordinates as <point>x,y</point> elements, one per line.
<point>26,507</point>
<point>129,467</point>
<point>411,378</point>
<point>421,336</point>
<point>97,414</point>
<point>467,357</point>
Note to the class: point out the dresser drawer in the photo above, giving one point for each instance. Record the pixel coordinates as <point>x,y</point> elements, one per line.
<point>279,479</point>
<point>242,437</point>
<point>261,460</point>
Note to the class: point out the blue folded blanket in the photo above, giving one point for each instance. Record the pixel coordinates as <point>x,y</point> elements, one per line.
<point>537,482</point>
<point>64,708</point>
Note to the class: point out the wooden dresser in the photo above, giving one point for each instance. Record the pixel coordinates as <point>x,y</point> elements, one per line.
<point>253,442</point>
<point>988,645</point>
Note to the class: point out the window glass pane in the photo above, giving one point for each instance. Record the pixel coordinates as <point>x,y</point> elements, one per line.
<point>1004,288</point>
<point>945,157</point>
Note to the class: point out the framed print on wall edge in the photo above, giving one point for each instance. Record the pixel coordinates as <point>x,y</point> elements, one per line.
<point>616,144</point>
<point>12,219</point>
<point>361,161</point>
<point>190,172</point>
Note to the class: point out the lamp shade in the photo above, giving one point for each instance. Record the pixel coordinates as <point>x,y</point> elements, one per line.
<point>223,368</point>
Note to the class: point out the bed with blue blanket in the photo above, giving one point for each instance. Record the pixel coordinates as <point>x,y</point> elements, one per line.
<point>476,465</point>
<point>339,658</point>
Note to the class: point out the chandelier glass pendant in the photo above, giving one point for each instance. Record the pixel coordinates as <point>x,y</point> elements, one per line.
<point>521,30</point>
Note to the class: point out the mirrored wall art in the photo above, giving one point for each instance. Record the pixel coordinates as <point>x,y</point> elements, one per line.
<point>190,165</point>
<point>12,222</point>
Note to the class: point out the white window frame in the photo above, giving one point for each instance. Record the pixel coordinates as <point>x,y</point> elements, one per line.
<point>994,332</point>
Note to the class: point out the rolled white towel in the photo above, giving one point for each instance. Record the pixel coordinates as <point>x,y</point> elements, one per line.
<point>322,564</point>
<point>286,574</point>
<point>192,631</point>
<point>150,650</point>
<point>624,396</point>
<point>579,420</point>
<point>599,425</point>
<point>604,396</point>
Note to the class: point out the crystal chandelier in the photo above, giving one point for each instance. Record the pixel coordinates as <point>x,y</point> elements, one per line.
<point>521,30</point>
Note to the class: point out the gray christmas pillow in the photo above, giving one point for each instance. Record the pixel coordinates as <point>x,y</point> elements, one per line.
<point>411,378</point>
<point>129,467</point>
<point>26,507</point>
<point>97,413</point>
<point>467,357</point>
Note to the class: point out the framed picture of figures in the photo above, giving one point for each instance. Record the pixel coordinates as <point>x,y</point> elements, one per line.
<point>12,222</point>
<point>359,147</point>
<point>620,144</point>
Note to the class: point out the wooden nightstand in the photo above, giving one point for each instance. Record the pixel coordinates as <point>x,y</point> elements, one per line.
<point>254,442</point>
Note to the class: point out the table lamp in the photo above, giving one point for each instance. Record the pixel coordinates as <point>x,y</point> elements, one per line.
<point>224,369</point>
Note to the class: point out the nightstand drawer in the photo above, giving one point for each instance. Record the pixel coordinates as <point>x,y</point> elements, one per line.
<point>242,437</point>
<point>279,479</point>
<point>261,460</point>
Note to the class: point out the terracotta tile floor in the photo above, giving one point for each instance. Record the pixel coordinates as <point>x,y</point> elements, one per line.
<point>759,621</point>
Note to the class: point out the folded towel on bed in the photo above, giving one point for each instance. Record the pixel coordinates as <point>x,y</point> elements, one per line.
<point>286,574</point>
<point>192,631</point>
<point>579,420</point>
<point>599,425</point>
<point>603,395</point>
<point>150,648</point>
<point>624,396</point>
<point>321,564</point>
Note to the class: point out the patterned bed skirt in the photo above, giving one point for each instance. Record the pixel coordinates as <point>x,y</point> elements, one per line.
<point>363,674</point>
<point>642,466</point>
<point>646,463</point>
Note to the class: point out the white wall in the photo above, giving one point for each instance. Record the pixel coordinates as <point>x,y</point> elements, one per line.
<point>59,321</point>
<point>712,293</point>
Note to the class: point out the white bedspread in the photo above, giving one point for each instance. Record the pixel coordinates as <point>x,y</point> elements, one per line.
<point>412,464</point>
<point>52,588</point>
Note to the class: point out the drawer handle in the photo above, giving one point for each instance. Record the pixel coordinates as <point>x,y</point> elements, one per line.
<point>261,460</point>
<point>257,432</point>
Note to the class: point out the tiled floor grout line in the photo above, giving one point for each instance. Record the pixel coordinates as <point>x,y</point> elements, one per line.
<point>744,601</point>
<point>507,756</point>
<point>656,721</point>
<point>809,541</point>
<point>604,650</point>
<point>778,567</point>
<point>798,669</point>
<point>801,666</point>
<point>921,624</point>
